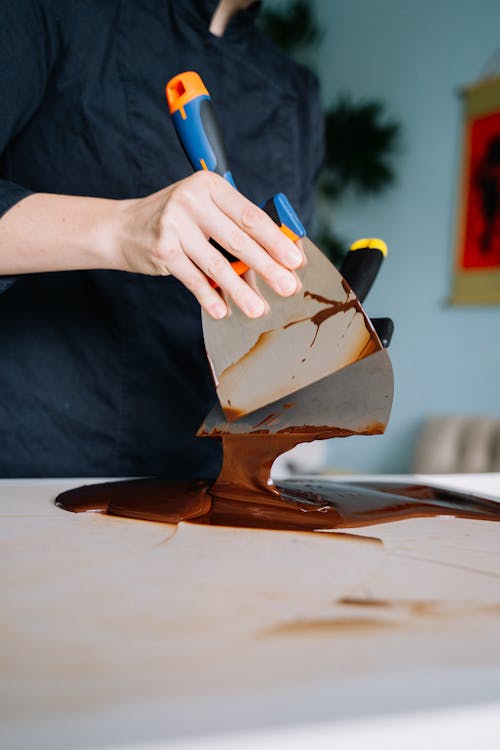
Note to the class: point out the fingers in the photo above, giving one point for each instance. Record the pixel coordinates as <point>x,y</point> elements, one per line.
<point>217,268</point>
<point>194,261</point>
<point>302,251</point>
<point>243,246</point>
<point>205,206</point>
<point>193,279</point>
<point>256,224</point>
<point>251,279</point>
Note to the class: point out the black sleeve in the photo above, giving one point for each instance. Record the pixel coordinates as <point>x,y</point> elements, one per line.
<point>313,149</point>
<point>27,51</point>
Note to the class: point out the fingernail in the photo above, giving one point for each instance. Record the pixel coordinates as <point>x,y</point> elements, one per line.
<point>287,284</point>
<point>294,257</point>
<point>218,310</point>
<point>255,308</point>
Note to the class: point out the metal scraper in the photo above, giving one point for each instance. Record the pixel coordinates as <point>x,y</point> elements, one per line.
<point>302,339</point>
<point>354,401</point>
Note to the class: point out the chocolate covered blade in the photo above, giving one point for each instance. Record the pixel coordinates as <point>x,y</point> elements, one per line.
<point>354,400</point>
<point>302,339</point>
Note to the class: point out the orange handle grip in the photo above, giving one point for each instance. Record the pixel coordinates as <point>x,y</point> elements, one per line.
<point>238,267</point>
<point>182,89</point>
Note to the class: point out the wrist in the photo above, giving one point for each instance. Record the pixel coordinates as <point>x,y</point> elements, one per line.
<point>106,239</point>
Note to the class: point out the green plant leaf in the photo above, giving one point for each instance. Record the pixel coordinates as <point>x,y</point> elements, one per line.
<point>292,27</point>
<point>360,140</point>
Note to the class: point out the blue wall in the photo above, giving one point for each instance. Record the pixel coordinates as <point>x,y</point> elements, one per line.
<point>415,56</point>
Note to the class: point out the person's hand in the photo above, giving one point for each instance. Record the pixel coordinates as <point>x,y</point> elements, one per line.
<point>168,233</point>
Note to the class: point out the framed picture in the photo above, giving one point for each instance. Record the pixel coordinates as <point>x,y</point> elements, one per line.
<point>477,261</point>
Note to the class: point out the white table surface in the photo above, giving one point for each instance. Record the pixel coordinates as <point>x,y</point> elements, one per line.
<point>123,633</point>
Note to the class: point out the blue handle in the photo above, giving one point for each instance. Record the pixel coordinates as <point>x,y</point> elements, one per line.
<point>200,135</point>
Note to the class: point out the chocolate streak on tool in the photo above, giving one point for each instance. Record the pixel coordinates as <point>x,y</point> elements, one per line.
<point>334,308</point>
<point>366,339</point>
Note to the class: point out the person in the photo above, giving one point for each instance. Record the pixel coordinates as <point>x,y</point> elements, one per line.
<point>104,252</point>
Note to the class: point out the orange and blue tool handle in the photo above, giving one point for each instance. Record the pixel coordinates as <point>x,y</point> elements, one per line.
<point>193,115</point>
<point>195,122</point>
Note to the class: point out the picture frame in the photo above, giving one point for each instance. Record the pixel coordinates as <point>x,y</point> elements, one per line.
<point>476,277</point>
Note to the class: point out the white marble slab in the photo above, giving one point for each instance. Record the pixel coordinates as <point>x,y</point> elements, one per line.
<point>119,632</point>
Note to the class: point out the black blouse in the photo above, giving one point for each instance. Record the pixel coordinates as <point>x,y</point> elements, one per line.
<point>103,373</point>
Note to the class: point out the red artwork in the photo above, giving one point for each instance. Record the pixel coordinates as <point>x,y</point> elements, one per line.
<point>481,246</point>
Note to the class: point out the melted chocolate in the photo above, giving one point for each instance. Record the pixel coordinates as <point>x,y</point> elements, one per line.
<point>245,496</point>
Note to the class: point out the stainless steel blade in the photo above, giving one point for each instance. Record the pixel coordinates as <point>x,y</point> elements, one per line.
<point>303,338</point>
<point>357,399</point>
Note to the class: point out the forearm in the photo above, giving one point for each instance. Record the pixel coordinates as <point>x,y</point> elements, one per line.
<point>45,232</point>
<point>164,233</point>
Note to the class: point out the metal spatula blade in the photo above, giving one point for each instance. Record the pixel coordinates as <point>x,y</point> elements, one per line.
<point>355,400</point>
<point>320,330</point>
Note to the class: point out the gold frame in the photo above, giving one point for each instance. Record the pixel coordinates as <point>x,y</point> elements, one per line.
<point>474,286</point>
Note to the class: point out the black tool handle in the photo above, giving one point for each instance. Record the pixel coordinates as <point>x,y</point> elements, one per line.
<point>362,263</point>
<point>384,328</point>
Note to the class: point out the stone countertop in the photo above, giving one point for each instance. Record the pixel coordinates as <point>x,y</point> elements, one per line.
<point>120,633</point>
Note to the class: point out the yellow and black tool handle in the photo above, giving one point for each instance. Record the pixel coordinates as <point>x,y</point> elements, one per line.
<point>362,263</point>
<point>199,132</point>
